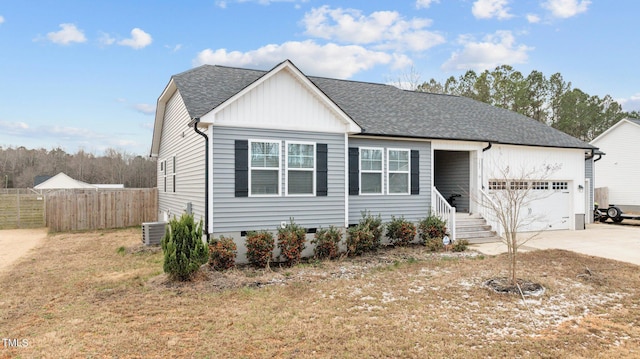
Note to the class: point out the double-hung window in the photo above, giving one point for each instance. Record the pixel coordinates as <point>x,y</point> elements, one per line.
<point>163,171</point>
<point>398,171</point>
<point>264,168</point>
<point>371,160</point>
<point>301,166</point>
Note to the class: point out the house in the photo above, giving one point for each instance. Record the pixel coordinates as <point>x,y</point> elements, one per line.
<point>620,168</point>
<point>267,146</point>
<point>61,181</point>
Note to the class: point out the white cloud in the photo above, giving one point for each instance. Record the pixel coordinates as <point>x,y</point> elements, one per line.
<point>1,19</point>
<point>139,39</point>
<point>382,29</point>
<point>145,108</point>
<point>630,104</point>
<point>106,39</point>
<point>487,9</point>
<point>174,48</point>
<point>533,18</point>
<point>13,128</point>
<point>496,49</point>
<point>566,8</point>
<point>320,60</point>
<point>424,4</point>
<point>69,33</point>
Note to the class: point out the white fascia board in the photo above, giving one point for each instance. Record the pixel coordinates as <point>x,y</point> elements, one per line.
<point>169,90</point>
<point>618,124</point>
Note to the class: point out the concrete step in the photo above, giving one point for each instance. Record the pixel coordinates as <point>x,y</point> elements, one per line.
<point>493,239</point>
<point>473,228</point>
<point>482,234</point>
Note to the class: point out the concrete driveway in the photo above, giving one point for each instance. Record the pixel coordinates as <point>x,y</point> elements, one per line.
<point>614,241</point>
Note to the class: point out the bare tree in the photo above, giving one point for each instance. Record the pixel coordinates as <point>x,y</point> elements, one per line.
<point>511,193</point>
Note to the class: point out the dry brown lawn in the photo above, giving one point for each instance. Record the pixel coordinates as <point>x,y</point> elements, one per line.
<point>100,294</point>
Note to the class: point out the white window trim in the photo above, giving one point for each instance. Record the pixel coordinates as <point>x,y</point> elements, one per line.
<point>286,166</point>
<point>408,172</point>
<point>163,171</point>
<point>173,173</point>
<point>381,171</point>
<point>251,168</point>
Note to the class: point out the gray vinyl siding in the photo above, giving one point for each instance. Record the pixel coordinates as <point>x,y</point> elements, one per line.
<point>412,207</point>
<point>233,214</point>
<point>588,174</point>
<point>189,152</point>
<point>452,175</point>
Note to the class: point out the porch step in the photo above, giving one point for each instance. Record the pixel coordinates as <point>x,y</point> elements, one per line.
<point>474,229</point>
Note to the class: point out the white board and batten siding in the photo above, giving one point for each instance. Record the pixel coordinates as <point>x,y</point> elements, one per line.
<point>557,209</point>
<point>281,102</point>
<point>412,207</point>
<point>232,214</point>
<point>619,168</point>
<point>180,141</point>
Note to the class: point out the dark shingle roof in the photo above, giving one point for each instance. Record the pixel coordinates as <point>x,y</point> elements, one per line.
<point>385,110</point>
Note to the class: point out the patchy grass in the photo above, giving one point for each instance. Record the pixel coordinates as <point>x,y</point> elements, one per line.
<point>81,295</point>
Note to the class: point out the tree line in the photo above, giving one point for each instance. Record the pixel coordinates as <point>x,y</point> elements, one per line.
<point>20,166</point>
<point>550,100</point>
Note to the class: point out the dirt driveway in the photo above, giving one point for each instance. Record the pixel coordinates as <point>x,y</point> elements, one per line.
<point>17,242</point>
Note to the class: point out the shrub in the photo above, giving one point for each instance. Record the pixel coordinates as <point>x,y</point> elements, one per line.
<point>432,227</point>
<point>291,241</point>
<point>434,244</point>
<point>259,248</point>
<point>183,248</point>
<point>365,236</point>
<point>222,253</point>
<point>460,245</point>
<point>327,243</point>
<point>400,231</point>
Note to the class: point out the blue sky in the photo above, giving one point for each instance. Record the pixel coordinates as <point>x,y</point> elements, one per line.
<point>87,74</point>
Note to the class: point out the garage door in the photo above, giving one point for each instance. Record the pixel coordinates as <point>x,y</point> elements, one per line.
<point>552,205</point>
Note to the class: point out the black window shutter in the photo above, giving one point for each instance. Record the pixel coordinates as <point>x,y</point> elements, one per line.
<point>242,168</point>
<point>415,172</point>
<point>321,169</point>
<point>354,171</point>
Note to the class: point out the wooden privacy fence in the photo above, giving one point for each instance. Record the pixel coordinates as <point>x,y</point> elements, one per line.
<point>21,208</point>
<point>601,196</point>
<point>101,209</point>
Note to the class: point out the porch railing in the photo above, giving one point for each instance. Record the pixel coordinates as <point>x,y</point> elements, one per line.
<point>441,208</point>
<point>487,209</point>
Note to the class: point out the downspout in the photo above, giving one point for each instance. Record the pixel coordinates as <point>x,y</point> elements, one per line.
<point>194,122</point>
<point>482,174</point>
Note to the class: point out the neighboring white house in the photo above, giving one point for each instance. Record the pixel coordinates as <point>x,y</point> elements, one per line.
<point>281,144</point>
<point>62,181</point>
<point>619,169</point>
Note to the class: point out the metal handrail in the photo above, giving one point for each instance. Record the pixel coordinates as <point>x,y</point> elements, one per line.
<point>441,208</point>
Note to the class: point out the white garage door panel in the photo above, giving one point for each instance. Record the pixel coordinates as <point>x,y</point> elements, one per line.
<point>553,208</point>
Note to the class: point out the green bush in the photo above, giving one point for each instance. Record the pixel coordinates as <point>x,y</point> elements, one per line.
<point>291,241</point>
<point>327,242</point>
<point>460,245</point>
<point>222,253</point>
<point>365,236</point>
<point>434,244</point>
<point>400,231</point>
<point>432,227</point>
<point>260,247</point>
<point>183,248</point>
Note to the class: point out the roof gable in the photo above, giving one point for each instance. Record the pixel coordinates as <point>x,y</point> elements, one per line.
<point>624,121</point>
<point>283,98</point>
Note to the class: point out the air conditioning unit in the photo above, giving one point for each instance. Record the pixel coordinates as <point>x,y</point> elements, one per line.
<point>152,233</point>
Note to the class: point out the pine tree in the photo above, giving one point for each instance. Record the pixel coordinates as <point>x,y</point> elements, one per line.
<point>184,250</point>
